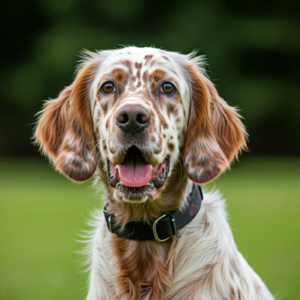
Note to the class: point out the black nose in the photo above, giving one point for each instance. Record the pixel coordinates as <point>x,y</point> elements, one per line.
<point>133,118</point>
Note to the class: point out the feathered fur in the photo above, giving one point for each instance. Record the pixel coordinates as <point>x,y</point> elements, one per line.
<point>197,130</point>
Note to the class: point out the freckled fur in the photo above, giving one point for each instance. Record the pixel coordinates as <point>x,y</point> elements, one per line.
<point>202,134</point>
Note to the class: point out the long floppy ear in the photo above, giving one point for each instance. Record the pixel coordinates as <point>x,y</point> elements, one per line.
<point>65,128</point>
<point>215,133</point>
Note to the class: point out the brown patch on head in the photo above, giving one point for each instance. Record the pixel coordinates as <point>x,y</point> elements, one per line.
<point>138,65</point>
<point>138,84</point>
<point>146,76</point>
<point>155,77</point>
<point>128,63</point>
<point>148,58</point>
<point>119,74</point>
<point>121,78</point>
<point>154,62</point>
<point>166,58</point>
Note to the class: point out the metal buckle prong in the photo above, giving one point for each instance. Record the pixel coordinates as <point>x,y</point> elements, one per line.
<point>155,232</point>
<point>174,226</point>
<point>109,223</point>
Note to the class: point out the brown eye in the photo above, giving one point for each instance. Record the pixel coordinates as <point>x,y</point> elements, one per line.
<point>168,88</point>
<point>107,87</point>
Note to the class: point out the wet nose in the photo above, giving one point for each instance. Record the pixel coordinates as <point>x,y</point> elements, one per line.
<point>133,119</point>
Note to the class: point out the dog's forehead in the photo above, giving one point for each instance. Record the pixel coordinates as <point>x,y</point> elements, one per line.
<point>135,61</point>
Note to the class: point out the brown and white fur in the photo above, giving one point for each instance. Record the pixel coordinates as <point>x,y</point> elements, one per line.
<point>198,130</point>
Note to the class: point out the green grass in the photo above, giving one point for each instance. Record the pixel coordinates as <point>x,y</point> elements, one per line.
<point>41,212</point>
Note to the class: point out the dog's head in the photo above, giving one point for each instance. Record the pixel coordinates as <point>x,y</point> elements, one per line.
<point>136,113</point>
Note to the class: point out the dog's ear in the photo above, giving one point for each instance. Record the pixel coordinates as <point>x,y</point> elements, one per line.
<point>215,133</point>
<point>65,128</point>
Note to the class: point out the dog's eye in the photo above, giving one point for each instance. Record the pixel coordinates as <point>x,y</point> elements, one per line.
<point>107,87</point>
<point>168,88</point>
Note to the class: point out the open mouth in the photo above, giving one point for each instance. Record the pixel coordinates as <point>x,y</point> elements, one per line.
<point>136,175</point>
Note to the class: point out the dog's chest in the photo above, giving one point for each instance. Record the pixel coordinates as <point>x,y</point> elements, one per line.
<point>142,269</point>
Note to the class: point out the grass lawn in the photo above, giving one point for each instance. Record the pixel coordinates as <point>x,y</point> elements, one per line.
<point>41,213</point>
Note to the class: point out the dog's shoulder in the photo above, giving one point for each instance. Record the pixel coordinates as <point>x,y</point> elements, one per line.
<point>207,254</point>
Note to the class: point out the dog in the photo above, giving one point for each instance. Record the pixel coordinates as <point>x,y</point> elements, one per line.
<point>152,127</point>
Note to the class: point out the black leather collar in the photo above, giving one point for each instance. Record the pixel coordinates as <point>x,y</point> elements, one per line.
<point>163,227</point>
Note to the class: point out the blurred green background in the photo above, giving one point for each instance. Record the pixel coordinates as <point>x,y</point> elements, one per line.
<point>253,53</point>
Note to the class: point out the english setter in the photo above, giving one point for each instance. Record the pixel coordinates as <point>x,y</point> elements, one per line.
<point>151,125</point>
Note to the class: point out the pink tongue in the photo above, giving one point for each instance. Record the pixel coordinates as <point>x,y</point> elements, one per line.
<point>135,175</point>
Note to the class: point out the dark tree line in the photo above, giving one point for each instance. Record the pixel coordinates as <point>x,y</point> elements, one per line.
<point>252,49</point>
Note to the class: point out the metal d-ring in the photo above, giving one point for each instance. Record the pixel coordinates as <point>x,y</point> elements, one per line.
<point>155,232</point>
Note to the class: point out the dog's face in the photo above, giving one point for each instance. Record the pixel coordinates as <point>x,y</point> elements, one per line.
<point>140,105</point>
<point>136,113</point>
